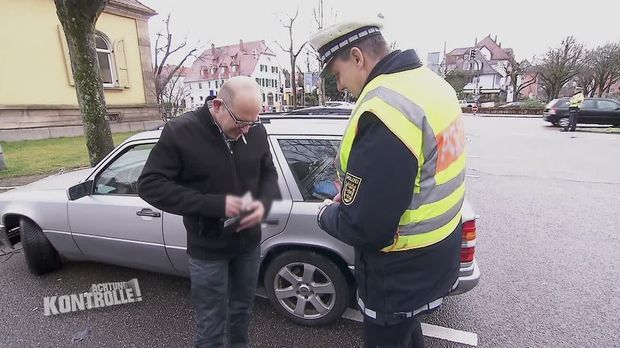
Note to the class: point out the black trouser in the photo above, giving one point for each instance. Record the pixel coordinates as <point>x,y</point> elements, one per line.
<point>404,334</point>
<point>572,119</point>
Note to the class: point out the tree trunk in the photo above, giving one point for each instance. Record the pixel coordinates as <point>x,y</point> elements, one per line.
<point>294,80</point>
<point>78,18</point>
<point>515,92</point>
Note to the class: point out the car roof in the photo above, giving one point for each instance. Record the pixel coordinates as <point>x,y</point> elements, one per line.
<point>283,125</point>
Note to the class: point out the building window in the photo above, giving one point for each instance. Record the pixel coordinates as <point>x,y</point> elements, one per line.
<point>104,56</point>
<point>199,85</point>
<point>209,84</point>
<point>263,97</point>
<point>233,68</point>
<point>222,70</point>
<point>217,84</point>
<point>201,98</point>
<point>258,81</point>
<point>213,71</point>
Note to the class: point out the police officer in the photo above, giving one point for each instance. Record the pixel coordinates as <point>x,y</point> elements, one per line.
<point>402,167</point>
<point>573,109</point>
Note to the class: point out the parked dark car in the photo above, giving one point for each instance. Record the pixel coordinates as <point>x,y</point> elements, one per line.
<point>593,111</point>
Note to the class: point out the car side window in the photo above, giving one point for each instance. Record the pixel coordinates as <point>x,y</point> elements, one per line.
<point>121,176</point>
<point>607,105</point>
<point>589,104</point>
<point>312,162</point>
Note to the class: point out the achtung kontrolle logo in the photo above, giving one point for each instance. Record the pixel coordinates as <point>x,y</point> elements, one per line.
<point>100,295</point>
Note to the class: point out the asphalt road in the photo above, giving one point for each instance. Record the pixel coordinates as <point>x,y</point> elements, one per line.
<point>547,247</point>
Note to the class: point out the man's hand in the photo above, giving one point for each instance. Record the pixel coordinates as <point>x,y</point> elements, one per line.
<point>255,217</point>
<point>233,206</point>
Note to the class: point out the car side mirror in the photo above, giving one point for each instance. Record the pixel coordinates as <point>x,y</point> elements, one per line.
<point>80,190</point>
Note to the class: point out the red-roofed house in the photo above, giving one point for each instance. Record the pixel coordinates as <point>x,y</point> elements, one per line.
<point>217,64</point>
<point>491,59</point>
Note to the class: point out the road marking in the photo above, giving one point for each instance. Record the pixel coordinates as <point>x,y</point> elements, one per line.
<point>429,330</point>
<point>444,333</point>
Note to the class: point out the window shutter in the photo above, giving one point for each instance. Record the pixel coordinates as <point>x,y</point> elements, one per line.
<point>62,40</point>
<point>121,64</point>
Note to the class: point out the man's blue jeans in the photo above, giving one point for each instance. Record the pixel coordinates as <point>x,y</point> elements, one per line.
<point>224,289</point>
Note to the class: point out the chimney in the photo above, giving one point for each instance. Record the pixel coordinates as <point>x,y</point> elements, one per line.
<point>241,45</point>
<point>212,49</point>
<point>495,39</point>
<point>500,45</point>
<point>476,42</point>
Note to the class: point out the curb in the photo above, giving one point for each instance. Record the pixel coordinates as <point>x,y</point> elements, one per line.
<point>503,116</point>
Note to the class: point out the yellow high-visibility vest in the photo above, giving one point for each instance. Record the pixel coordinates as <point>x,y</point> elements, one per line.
<point>576,100</point>
<point>422,110</point>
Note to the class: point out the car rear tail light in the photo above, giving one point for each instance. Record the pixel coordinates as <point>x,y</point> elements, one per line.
<point>468,247</point>
<point>552,112</point>
<point>467,254</point>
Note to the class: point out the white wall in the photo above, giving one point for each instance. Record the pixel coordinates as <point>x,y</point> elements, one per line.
<point>269,61</point>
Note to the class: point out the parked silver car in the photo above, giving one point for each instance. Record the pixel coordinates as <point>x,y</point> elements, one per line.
<point>96,215</point>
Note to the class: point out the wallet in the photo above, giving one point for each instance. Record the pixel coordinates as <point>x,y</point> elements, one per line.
<point>231,225</point>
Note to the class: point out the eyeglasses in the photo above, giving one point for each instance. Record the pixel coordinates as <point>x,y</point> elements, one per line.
<point>237,121</point>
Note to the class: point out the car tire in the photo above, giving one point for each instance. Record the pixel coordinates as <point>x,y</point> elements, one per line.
<point>310,277</point>
<point>563,122</point>
<point>41,256</point>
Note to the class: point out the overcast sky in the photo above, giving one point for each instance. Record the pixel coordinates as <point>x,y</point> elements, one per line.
<point>528,26</point>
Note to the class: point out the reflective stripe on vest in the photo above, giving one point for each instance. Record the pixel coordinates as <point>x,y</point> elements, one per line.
<point>422,111</point>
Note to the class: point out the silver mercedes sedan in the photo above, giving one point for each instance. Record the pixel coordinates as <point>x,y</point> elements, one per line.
<point>96,215</point>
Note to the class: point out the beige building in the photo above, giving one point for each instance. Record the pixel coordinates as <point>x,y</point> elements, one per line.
<point>37,91</point>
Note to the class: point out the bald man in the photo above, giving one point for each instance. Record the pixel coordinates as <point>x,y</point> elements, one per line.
<point>203,163</point>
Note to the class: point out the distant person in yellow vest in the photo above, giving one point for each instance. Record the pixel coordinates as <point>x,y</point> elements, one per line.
<point>402,168</point>
<point>574,108</point>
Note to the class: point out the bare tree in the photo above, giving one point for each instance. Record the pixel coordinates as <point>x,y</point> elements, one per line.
<point>78,18</point>
<point>514,70</point>
<point>293,53</point>
<point>174,95</point>
<point>606,67</point>
<point>585,78</point>
<point>164,50</point>
<point>319,18</point>
<point>559,66</point>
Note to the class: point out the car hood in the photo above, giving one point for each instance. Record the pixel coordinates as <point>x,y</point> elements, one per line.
<point>57,181</point>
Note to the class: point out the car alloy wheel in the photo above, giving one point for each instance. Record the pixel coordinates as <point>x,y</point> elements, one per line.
<point>563,122</point>
<point>307,287</point>
<point>304,290</point>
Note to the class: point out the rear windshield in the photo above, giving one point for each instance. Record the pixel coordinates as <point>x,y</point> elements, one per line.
<point>558,103</point>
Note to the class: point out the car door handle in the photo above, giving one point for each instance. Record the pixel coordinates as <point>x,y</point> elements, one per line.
<point>272,222</point>
<point>148,212</point>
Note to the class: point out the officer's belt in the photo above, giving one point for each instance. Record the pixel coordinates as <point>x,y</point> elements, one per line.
<point>431,305</point>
